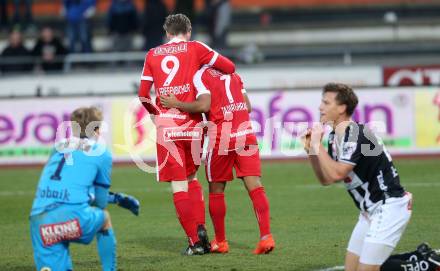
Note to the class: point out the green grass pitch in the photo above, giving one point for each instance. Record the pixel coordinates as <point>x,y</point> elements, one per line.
<point>311,224</point>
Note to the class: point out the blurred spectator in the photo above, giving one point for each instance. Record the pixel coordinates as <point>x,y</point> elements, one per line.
<point>153,20</point>
<point>218,14</point>
<point>16,57</point>
<point>78,15</point>
<point>23,13</point>
<point>122,23</point>
<point>3,14</point>
<point>50,50</point>
<point>250,54</point>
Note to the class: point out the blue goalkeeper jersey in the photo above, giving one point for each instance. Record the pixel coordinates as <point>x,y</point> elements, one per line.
<point>72,172</point>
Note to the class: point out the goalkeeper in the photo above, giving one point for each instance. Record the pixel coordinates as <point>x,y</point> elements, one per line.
<point>72,196</point>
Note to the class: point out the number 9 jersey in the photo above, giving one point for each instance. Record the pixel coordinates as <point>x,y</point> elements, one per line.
<point>171,67</point>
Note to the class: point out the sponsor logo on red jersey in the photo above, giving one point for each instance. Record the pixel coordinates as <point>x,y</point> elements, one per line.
<point>181,133</point>
<point>241,133</point>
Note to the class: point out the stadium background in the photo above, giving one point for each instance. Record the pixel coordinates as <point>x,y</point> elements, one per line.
<point>285,51</point>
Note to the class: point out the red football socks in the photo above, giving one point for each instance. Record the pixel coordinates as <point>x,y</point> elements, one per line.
<point>186,216</point>
<point>217,210</point>
<point>195,192</point>
<point>261,208</point>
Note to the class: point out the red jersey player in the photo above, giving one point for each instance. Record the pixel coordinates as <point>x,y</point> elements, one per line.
<point>235,146</point>
<point>171,67</point>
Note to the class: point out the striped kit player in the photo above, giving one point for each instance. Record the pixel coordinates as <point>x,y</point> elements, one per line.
<point>356,156</point>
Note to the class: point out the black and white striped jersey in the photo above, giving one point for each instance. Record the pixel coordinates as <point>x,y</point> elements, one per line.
<point>374,177</point>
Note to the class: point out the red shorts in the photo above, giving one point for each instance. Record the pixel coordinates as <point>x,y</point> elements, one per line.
<point>246,162</point>
<point>175,162</point>
<point>178,152</point>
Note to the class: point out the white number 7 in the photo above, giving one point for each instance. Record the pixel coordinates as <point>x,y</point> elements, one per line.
<point>227,79</point>
<point>171,72</point>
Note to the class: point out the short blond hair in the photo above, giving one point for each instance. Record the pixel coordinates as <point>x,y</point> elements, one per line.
<point>83,116</point>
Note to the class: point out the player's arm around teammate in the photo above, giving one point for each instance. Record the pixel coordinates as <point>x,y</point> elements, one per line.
<point>201,105</point>
<point>229,106</point>
<point>170,67</point>
<point>176,30</point>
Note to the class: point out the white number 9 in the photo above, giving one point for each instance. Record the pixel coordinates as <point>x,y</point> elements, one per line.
<point>171,72</point>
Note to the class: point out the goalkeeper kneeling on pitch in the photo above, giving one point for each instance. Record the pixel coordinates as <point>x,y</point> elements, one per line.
<point>71,197</point>
<point>357,157</point>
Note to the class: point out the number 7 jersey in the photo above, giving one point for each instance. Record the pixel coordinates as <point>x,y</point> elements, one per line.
<point>171,67</point>
<point>228,112</point>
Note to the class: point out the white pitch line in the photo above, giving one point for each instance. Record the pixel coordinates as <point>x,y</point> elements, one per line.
<point>16,193</point>
<point>334,268</point>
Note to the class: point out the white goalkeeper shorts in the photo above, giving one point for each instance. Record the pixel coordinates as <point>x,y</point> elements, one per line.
<point>376,234</point>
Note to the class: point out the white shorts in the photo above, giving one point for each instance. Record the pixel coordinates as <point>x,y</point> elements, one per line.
<point>376,234</point>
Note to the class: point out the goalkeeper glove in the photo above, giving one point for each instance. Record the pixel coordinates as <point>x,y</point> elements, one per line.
<point>125,201</point>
